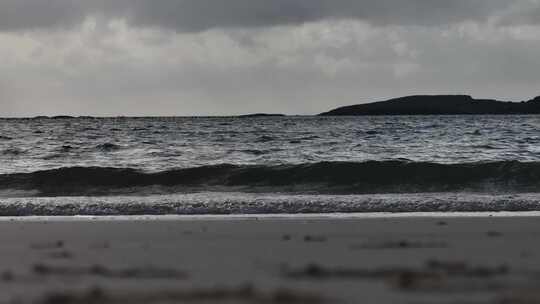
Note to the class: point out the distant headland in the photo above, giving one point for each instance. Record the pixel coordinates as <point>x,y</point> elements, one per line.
<point>259,115</point>
<point>438,105</point>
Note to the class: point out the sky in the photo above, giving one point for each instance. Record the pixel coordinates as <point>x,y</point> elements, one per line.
<point>212,57</point>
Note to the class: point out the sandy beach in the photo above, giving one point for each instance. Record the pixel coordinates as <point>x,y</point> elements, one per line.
<point>425,258</point>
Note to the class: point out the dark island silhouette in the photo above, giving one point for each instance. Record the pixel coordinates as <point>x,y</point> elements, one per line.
<point>438,105</point>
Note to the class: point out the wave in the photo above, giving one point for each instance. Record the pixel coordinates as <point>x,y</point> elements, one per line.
<point>66,148</point>
<point>315,178</point>
<point>108,147</point>
<point>12,152</point>
<point>265,138</point>
<point>255,152</point>
<point>234,203</point>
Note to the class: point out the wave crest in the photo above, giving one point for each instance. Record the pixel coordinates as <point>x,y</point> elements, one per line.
<point>322,178</point>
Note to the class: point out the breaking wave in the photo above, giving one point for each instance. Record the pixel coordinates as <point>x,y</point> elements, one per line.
<point>242,203</point>
<point>311,178</point>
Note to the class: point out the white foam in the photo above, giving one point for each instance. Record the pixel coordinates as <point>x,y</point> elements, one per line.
<point>262,204</point>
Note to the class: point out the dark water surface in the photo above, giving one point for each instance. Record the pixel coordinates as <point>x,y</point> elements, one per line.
<point>273,155</point>
<point>159,144</point>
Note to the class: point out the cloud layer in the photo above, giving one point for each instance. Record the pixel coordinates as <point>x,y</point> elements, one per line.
<point>194,15</point>
<point>202,57</point>
<point>198,15</point>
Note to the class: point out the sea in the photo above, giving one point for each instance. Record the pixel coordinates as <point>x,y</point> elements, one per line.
<point>268,165</point>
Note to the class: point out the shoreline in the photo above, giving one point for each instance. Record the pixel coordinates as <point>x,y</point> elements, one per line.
<point>283,217</point>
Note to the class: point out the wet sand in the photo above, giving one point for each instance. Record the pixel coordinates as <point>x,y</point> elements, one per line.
<point>486,258</point>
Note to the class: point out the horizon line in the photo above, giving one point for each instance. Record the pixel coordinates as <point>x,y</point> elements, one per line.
<point>262,114</point>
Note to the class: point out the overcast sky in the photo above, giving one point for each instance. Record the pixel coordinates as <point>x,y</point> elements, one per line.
<point>222,57</point>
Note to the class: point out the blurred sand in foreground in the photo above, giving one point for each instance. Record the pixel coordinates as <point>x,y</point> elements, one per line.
<point>306,259</point>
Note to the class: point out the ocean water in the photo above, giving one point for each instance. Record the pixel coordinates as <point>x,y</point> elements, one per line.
<point>102,166</point>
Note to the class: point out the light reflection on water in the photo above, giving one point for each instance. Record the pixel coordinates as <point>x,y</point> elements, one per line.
<point>156,144</point>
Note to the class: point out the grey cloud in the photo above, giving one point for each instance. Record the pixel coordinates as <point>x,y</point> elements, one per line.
<point>198,15</point>
<point>528,13</point>
<point>36,14</point>
<point>124,69</point>
<point>503,68</point>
